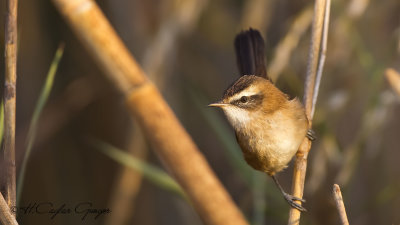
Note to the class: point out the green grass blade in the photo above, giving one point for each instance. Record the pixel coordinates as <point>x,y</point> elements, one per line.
<point>152,173</point>
<point>36,114</point>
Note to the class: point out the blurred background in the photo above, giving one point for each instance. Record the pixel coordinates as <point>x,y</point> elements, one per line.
<point>186,48</point>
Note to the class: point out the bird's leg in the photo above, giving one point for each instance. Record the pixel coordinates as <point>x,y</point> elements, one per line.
<point>311,135</point>
<point>290,198</point>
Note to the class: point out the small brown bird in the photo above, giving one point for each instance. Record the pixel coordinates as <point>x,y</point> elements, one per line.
<point>269,126</point>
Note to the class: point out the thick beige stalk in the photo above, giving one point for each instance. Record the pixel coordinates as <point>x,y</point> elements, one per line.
<point>173,145</point>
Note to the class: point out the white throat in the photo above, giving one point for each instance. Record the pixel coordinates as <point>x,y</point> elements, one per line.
<point>238,117</point>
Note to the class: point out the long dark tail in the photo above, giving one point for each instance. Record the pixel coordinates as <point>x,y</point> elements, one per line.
<point>249,47</point>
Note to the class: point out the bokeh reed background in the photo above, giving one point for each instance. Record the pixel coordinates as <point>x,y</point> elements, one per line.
<point>186,47</point>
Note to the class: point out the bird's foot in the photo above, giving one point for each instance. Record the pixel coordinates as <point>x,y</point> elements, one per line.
<point>311,135</point>
<point>291,200</point>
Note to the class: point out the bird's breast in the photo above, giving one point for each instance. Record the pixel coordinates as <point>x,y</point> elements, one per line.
<point>269,144</point>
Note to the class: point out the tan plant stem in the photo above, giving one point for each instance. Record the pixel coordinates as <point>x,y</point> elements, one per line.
<point>173,145</point>
<point>6,217</point>
<point>337,194</point>
<point>9,176</point>
<point>315,65</point>
<point>314,55</point>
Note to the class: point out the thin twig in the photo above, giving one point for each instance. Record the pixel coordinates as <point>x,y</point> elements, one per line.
<point>314,54</point>
<point>322,56</point>
<point>393,78</point>
<point>337,195</point>
<point>6,217</point>
<point>9,102</point>
<point>315,65</point>
<point>163,130</point>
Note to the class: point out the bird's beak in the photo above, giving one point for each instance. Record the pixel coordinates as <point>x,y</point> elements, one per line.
<point>218,104</point>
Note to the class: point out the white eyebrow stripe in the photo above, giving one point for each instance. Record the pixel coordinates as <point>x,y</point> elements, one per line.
<point>246,92</point>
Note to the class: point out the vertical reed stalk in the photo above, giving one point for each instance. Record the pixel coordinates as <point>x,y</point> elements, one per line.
<point>314,73</point>
<point>9,181</point>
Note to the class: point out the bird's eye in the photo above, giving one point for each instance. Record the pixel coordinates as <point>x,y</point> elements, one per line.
<point>243,99</point>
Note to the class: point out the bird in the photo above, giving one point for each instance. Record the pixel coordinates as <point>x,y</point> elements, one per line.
<point>269,126</point>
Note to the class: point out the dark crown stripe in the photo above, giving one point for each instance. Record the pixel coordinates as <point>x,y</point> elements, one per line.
<point>241,84</point>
